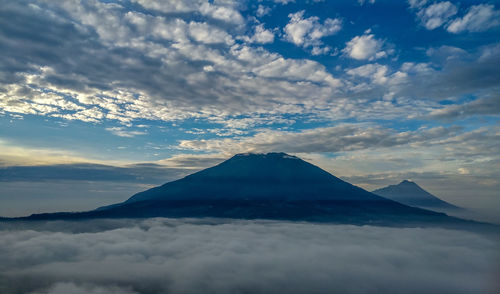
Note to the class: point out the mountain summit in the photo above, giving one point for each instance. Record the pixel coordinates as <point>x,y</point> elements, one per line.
<point>266,186</point>
<point>409,193</point>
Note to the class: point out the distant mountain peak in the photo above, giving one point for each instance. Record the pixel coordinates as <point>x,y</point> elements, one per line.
<point>407,182</point>
<point>410,193</point>
<point>409,185</point>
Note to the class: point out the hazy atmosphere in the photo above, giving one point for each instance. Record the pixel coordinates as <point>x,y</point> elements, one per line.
<point>102,99</point>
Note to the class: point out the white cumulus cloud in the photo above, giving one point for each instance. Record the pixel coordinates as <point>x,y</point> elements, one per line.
<point>437,14</point>
<point>366,47</point>
<point>203,32</point>
<point>417,3</point>
<point>478,18</point>
<point>263,10</point>
<point>308,32</point>
<point>261,35</point>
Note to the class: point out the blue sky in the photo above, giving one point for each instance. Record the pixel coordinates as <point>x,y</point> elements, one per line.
<point>373,91</point>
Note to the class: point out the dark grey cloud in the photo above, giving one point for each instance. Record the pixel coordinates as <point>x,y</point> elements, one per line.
<point>21,198</point>
<point>346,137</point>
<point>65,288</point>
<point>194,256</point>
<point>484,106</point>
<point>480,143</point>
<point>32,38</point>
<point>76,187</point>
<point>459,73</point>
<point>138,173</point>
<point>194,162</point>
<point>450,73</point>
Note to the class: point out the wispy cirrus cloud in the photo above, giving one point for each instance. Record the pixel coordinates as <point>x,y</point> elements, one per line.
<point>123,132</point>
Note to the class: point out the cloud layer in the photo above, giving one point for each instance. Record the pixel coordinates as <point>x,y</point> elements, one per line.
<point>200,59</point>
<point>193,256</point>
<point>364,88</point>
<point>156,65</point>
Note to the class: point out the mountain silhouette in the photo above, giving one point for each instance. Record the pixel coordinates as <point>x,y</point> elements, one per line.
<point>276,176</point>
<point>409,193</point>
<point>261,186</point>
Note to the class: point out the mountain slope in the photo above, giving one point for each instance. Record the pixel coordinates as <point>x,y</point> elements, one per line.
<point>411,194</point>
<point>276,176</point>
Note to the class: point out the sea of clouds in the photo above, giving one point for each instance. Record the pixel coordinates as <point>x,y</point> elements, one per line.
<point>236,256</point>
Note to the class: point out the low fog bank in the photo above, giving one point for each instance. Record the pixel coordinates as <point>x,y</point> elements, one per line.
<point>472,214</point>
<point>236,256</point>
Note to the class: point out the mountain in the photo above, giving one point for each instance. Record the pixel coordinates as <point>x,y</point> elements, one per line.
<point>409,193</point>
<point>276,176</point>
<point>264,186</point>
